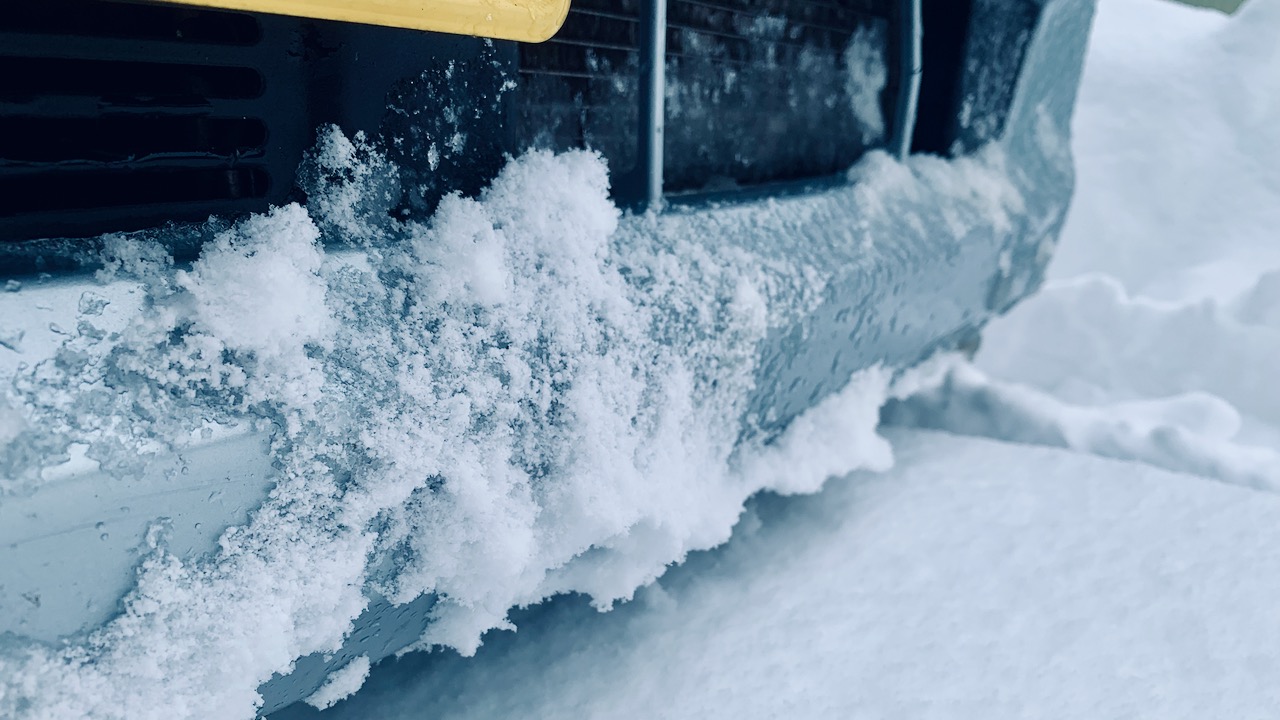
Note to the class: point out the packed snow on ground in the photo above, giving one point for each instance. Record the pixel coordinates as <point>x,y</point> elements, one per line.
<point>1129,570</point>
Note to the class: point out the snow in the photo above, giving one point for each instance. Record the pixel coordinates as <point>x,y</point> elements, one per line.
<point>974,580</point>
<point>482,407</point>
<point>865,78</point>
<point>340,684</point>
<point>1195,432</point>
<point>1165,282</point>
<point>11,422</point>
<point>1179,173</point>
<point>1109,551</point>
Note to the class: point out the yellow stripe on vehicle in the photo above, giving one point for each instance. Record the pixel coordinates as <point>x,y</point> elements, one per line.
<point>524,20</point>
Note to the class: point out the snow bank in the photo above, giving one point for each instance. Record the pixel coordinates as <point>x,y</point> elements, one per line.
<point>1087,339</point>
<point>1177,155</point>
<point>1193,433</point>
<point>1157,337</point>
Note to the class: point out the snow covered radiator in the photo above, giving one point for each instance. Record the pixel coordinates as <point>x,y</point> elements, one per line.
<point>825,71</point>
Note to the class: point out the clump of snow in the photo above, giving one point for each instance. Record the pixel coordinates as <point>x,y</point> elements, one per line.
<point>350,186</point>
<point>980,179</point>
<point>835,434</point>
<point>865,78</point>
<point>256,291</point>
<point>130,255</point>
<point>259,285</point>
<point>340,684</point>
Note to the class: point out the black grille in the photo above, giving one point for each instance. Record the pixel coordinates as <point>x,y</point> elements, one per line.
<point>142,22</point>
<point>126,115</point>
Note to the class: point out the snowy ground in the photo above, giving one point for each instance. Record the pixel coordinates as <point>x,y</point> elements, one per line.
<point>1128,571</point>
<point>978,579</point>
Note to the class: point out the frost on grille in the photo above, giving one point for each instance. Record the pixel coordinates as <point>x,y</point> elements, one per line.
<point>819,68</point>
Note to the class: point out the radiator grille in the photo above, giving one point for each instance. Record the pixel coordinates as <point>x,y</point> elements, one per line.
<point>142,22</point>
<point>757,90</point>
<point>581,88</point>
<point>127,118</point>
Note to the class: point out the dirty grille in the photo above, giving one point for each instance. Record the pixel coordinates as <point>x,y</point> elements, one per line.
<point>128,119</point>
<point>756,91</point>
<point>762,91</point>
<point>581,88</point>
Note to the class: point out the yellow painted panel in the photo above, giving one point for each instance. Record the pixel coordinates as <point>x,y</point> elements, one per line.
<point>525,20</point>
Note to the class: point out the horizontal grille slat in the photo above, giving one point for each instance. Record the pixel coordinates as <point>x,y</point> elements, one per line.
<point>72,191</point>
<point>131,112</point>
<point>97,19</point>
<point>809,15</point>
<point>116,139</point>
<point>93,49</point>
<point>585,60</point>
<point>124,81</point>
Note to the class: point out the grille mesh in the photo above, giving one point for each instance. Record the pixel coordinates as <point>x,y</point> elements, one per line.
<point>757,90</point>
<point>581,88</point>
